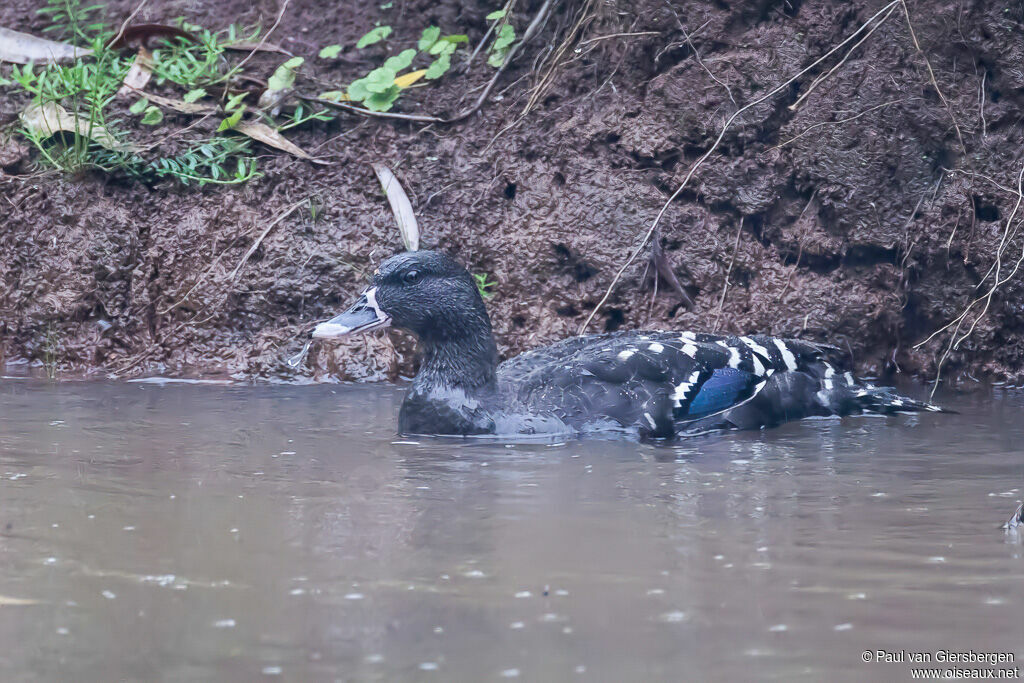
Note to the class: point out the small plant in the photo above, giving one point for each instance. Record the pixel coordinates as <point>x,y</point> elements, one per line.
<point>504,37</point>
<point>50,351</point>
<point>484,284</point>
<point>70,20</point>
<point>379,89</point>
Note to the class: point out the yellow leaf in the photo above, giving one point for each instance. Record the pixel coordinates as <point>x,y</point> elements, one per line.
<point>335,95</point>
<point>405,80</point>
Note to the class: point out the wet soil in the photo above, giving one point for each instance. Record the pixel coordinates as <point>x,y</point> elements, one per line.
<point>866,214</point>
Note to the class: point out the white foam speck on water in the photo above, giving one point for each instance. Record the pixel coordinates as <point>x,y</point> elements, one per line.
<point>474,574</point>
<point>515,625</point>
<point>510,673</point>
<point>580,669</point>
<point>50,560</point>
<point>673,617</point>
<point>523,594</point>
<point>128,528</point>
<point>938,559</point>
<point>62,631</point>
<point>561,592</point>
<point>857,596</point>
<point>109,595</point>
<point>297,591</point>
<point>778,628</point>
<point>272,671</point>
<point>224,623</point>
<point>353,596</point>
<point>374,659</point>
<point>842,627</point>
<point>158,579</point>
<point>428,666</point>
<point>656,591</point>
<point>995,601</point>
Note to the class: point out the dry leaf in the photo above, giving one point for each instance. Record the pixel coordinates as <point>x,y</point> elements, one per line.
<point>405,80</point>
<point>179,105</point>
<point>400,206</point>
<point>255,46</point>
<point>140,73</point>
<point>22,48</point>
<point>51,118</point>
<point>268,136</point>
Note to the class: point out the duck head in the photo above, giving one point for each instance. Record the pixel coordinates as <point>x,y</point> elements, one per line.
<point>424,292</point>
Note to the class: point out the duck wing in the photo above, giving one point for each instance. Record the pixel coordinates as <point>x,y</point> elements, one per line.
<point>666,382</point>
<point>654,381</point>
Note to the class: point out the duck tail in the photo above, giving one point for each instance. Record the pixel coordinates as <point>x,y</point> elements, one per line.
<point>885,401</point>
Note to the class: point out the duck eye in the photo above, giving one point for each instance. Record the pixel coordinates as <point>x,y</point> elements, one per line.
<point>411,277</point>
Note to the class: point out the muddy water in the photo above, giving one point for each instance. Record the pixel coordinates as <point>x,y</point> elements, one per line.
<point>234,533</point>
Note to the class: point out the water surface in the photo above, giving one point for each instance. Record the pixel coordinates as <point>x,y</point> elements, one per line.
<point>239,533</point>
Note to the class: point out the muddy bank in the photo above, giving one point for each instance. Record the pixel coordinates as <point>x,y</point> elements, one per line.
<point>855,215</point>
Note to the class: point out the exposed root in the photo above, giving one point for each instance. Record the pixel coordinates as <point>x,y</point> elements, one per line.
<point>998,280</point>
<point>728,272</point>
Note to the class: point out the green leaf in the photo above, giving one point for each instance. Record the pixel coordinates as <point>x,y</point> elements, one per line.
<point>357,90</point>
<point>387,5</point>
<point>496,59</point>
<point>429,37</point>
<point>139,106</point>
<point>152,116</point>
<point>382,101</point>
<point>400,61</point>
<point>442,47</point>
<point>194,95</point>
<point>330,52</point>
<point>380,79</point>
<point>457,38</point>
<point>439,67</point>
<point>374,36</point>
<point>496,14</point>
<point>506,36</point>
<point>234,101</point>
<point>284,75</point>
<point>231,121</point>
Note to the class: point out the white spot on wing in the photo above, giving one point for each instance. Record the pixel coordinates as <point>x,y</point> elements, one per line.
<point>734,355</point>
<point>655,347</point>
<point>650,420</point>
<point>679,395</point>
<point>690,350</point>
<point>849,377</point>
<point>626,355</point>
<point>758,350</point>
<point>829,374</point>
<point>687,336</point>
<point>787,355</point>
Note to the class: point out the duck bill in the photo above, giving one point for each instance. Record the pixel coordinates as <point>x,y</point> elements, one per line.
<point>362,316</point>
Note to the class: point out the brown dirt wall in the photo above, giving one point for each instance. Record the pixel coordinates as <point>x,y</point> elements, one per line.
<point>858,217</point>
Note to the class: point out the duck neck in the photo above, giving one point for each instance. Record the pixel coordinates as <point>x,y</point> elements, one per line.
<point>467,360</point>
